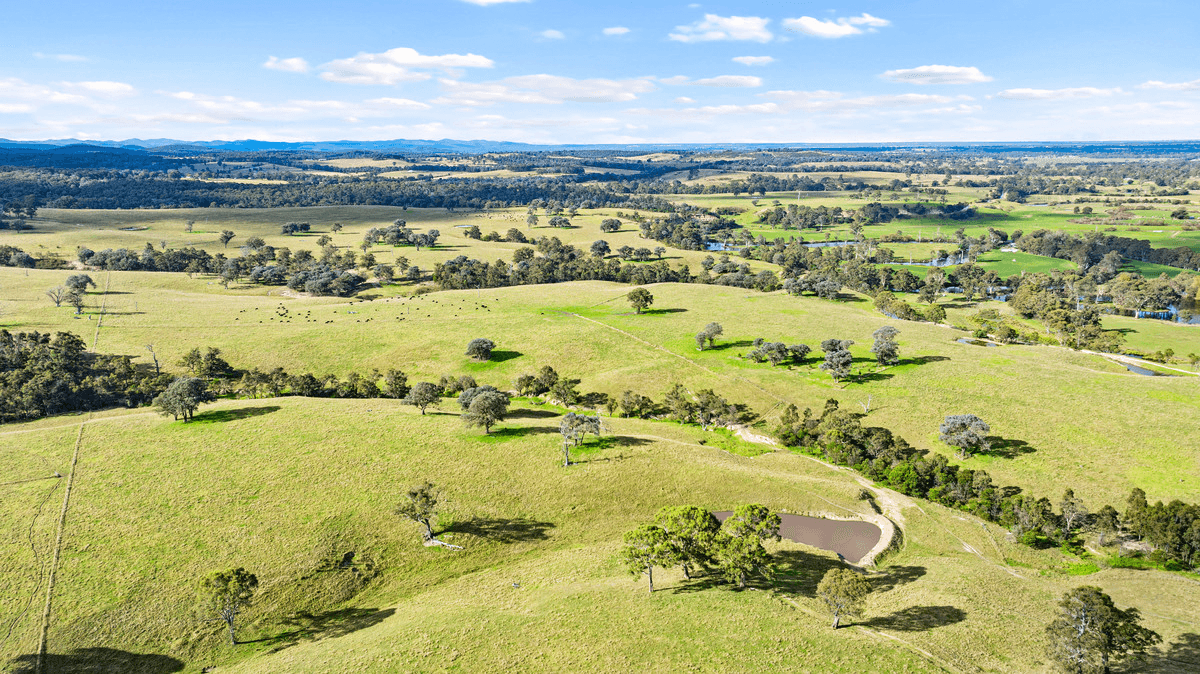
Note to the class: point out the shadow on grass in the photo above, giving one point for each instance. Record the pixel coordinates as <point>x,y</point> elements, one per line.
<point>865,377</point>
<point>97,661</point>
<point>1180,656</point>
<point>722,346</point>
<point>220,416</point>
<point>531,414</point>
<point>328,625</point>
<point>657,312</point>
<point>513,530</point>
<point>611,441</point>
<point>849,298</point>
<point>922,360</point>
<point>1007,448</point>
<point>509,433</point>
<point>918,618</point>
<point>501,356</point>
<point>896,576</point>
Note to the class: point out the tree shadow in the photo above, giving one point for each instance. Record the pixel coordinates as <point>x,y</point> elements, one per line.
<point>799,572</point>
<point>896,576</point>
<point>865,377</point>
<point>611,441</point>
<point>1180,657</point>
<point>922,360</point>
<point>656,312</point>
<point>513,530</point>
<point>1008,448</point>
<point>220,416</point>
<point>508,432</point>
<point>523,413</point>
<point>304,627</point>
<point>849,298</point>
<point>501,356</point>
<point>98,661</point>
<point>918,618</point>
<point>739,344</point>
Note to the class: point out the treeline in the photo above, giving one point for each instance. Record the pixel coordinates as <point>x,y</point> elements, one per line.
<point>838,436</point>
<point>43,374</point>
<point>1089,249</point>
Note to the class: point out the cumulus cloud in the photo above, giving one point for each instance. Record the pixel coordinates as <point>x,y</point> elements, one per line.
<point>835,28</point>
<point>822,100</point>
<point>1171,86</point>
<point>101,88</point>
<point>396,65</point>
<point>615,30</point>
<point>543,89</point>
<point>551,34</point>
<point>13,88</point>
<point>937,75</point>
<point>730,81</point>
<point>292,65</point>
<point>713,27</point>
<point>753,60</point>
<point>685,99</point>
<point>15,108</point>
<point>1056,94</point>
<point>65,58</point>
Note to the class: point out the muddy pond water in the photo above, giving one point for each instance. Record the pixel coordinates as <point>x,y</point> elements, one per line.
<point>852,539</point>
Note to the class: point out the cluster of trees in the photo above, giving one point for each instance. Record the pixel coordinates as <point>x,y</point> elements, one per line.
<point>778,352</point>
<point>1090,248</point>
<point>43,374</point>
<point>513,235</point>
<point>693,539</point>
<point>1065,304</point>
<point>838,436</point>
<point>558,263</point>
<point>399,234</point>
<point>11,256</point>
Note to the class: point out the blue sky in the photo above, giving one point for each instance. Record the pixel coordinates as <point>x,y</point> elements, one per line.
<point>560,71</point>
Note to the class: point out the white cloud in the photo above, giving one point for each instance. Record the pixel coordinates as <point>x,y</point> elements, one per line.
<point>485,3</point>
<point>715,27</point>
<point>753,60</point>
<point>615,30</point>
<point>14,108</point>
<point>105,89</point>
<point>677,79</point>
<point>730,81</point>
<point>822,100</point>
<point>1056,94</point>
<point>835,28</point>
<point>292,65</point>
<point>960,109</point>
<point>685,99</point>
<point>1171,86</point>
<point>543,89</point>
<point>396,65</point>
<point>401,103</point>
<point>12,88</point>
<point>65,58</point>
<point>551,34</point>
<point>937,75</point>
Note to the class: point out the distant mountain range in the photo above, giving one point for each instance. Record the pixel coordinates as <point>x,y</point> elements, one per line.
<point>447,145</point>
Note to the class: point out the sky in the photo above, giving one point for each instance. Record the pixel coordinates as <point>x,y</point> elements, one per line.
<point>572,71</point>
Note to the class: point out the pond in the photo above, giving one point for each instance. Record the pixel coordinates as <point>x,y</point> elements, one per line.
<point>975,342</point>
<point>851,539</point>
<point>1142,371</point>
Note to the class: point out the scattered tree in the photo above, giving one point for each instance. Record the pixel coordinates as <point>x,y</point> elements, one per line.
<point>424,394</point>
<point>225,594</point>
<point>886,350</point>
<point>843,591</point>
<point>838,358</point>
<point>225,237</point>
<point>708,335</point>
<point>967,432</point>
<point>57,294</point>
<point>739,550</point>
<point>1090,632</point>
<point>692,532</point>
<point>420,506</point>
<point>480,349</point>
<point>574,428</point>
<point>183,397</point>
<point>640,298</point>
<point>79,282</point>
<point>486,409</point>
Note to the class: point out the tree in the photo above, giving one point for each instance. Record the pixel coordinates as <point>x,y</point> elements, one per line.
<point>423,394</point>
<point>395,384</point>
<point>226,237</point>
<point>640,298</point>
<point>843,591</point>
<point>79,282</point>
<point>324,240</point>
<point>610,225</point>
<point>480,349</point>
<point>559,221</point>
<point>645,548</point>
<point>57,294</point>
<point>1090,632</point>
<point>935,314</point>
<point>486,410</point>
<point>420,506</point>
<point>967,432</point>
<point>76,299</point>
<point>182,397</point>
<point>709,334</point>
<point>1074,513</point>
<point>225,594</point>
<point>739,549</point>
<point>838,358</point>
<point>886,351</point>
<point>692,532</point>
<point>574,428</point>
<point>600,248</point>
<point>531,220</point>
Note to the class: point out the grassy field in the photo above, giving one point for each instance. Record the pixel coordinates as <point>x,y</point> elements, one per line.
<point>536,587</point>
